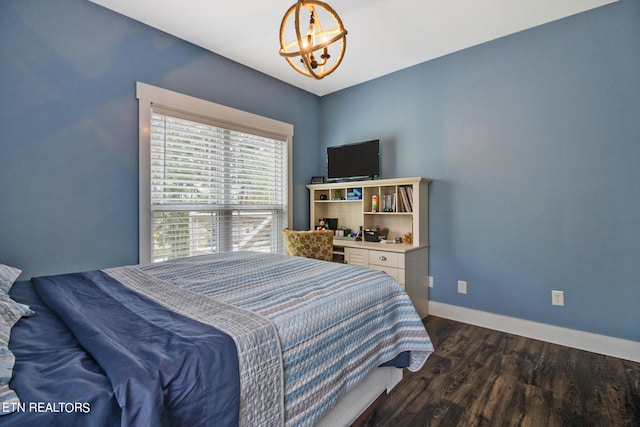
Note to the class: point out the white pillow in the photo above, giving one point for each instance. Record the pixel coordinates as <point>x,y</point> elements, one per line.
<point>8,275</point>
<point>10,312</point>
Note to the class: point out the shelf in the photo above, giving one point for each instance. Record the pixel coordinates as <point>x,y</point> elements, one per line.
<point>405,193</point>
<point>389,213</point>
<point>338,201</point>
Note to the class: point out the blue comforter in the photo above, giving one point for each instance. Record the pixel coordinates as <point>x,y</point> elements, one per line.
<point>50,367</point>
<point>164,369</point>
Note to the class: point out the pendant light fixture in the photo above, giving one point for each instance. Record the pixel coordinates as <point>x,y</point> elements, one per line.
<point>316,51</point>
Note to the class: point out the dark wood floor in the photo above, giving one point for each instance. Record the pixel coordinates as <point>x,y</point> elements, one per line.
<point>481,377</point>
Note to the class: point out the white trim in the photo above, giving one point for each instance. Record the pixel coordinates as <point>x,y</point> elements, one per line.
<point>602,344</point>
<point>144,176</point>
<point>174,100</point>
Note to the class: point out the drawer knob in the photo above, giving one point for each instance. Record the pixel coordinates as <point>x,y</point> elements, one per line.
<point>382,258</point>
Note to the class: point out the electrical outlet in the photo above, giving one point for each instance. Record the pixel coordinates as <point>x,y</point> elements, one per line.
<point>557,298</point>
<point>462,287</point>
<point>430,281</point>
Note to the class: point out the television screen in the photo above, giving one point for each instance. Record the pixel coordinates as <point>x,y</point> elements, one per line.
<point>354,161</point>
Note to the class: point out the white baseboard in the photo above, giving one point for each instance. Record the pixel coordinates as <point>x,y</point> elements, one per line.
<point>602,344</point>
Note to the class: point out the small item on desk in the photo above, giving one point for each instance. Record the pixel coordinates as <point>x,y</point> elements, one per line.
<point>344,232</point>
<point>375,234</point>
<point>331,223</point>
<point>398,239</point>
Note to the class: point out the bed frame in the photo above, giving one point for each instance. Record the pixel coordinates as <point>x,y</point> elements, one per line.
<point>355,403</point>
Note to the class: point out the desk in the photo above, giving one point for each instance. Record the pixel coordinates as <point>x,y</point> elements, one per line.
<point>407,264</point>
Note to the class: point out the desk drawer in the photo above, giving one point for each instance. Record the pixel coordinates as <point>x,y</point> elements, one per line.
<point>390,259</point>
<point>355,256</point>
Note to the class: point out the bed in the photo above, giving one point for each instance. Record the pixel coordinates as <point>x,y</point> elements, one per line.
<point>238,338</point>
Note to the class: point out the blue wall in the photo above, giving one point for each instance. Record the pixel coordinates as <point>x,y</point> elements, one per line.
<point>69,128</point>
<point>533,142</point>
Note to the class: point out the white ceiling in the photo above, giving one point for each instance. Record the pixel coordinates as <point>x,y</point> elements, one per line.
<point>383,35</point>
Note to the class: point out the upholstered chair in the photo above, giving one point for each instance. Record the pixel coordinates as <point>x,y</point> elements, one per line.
<point>309,244</point>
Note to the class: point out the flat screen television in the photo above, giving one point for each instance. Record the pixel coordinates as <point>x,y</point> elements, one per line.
<point>353,162</point>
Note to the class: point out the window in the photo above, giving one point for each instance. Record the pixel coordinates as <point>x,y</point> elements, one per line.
<point>212,179</point>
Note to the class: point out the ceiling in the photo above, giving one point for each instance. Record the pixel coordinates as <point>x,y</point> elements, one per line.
<point>383,35</point>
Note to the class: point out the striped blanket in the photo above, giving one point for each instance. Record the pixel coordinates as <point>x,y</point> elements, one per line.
<point>334,323</point>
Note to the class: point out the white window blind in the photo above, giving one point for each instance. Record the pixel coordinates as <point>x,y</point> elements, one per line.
<point>215,189</point>
<point>213,186</point>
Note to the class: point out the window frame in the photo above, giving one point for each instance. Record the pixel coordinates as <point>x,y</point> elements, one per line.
<point>149,96</point>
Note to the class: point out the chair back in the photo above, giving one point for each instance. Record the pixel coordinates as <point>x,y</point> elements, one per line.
<point>309,244</point>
